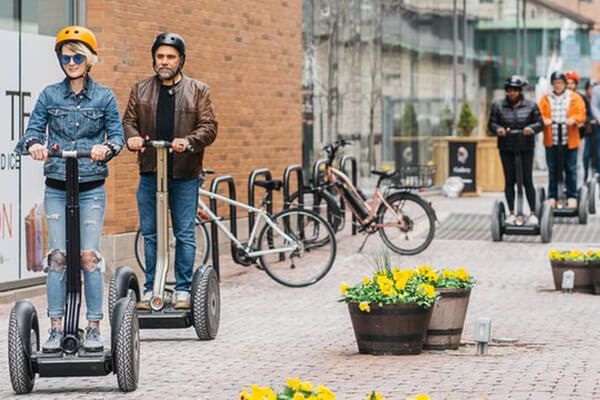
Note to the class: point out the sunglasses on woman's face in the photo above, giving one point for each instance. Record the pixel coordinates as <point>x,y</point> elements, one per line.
<point>77,59</point>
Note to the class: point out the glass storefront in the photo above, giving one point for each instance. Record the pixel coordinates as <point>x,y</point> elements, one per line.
<point>397,73</point>
<point>27,31</point>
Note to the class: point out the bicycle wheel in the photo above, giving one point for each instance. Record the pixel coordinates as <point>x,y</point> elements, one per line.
<point>418,220</point>
<point>326,206</point>
<point>315,254</point>
<point>202,247</point>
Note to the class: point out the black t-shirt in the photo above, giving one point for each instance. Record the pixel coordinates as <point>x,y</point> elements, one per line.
<point>165,120</point>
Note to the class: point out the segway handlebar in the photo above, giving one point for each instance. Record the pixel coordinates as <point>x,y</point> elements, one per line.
<point>56,152</point>
<point>163,144</point>
<point>513,132</point>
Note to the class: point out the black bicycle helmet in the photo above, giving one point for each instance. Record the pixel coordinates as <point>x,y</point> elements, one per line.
<point>556,75</point>
<point>515,81</point>
<point>170,39</point>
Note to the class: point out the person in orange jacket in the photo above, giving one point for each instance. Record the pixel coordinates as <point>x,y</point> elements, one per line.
<point>562,106</point>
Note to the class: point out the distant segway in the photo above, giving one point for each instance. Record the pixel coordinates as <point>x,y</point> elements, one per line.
<point>593,176</point>
<point>545,221</point>
<point>204,313</point>
<point>562,209</point>
<point>25,360</point>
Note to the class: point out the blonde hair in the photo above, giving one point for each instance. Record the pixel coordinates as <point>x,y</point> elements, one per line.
<point>79,48</point>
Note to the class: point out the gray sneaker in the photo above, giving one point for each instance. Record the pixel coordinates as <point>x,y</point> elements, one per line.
<point>52,345</point>
<point>93,340</point>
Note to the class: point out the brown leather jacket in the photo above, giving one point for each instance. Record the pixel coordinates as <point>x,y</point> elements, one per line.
<point>194,120</point>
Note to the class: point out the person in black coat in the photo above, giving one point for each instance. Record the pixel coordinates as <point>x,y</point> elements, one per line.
<point>514,112</point>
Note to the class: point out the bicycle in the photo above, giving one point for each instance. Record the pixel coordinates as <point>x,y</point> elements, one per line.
<point>395,213</point>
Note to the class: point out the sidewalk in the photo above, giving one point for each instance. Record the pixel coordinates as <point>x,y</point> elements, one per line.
<point>269,333</point>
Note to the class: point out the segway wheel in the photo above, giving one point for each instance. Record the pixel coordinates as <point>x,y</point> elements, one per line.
<point>540,198</point>
<point>126,344</point>
<point>23,340</point>
<point>498,217</point>
<point>593,195</point>
<point>206,303</point>
<point>582,205</point>
<point>546,222</point>
<point>123,282</point>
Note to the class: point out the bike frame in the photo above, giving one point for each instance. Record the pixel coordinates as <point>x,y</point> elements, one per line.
<point>261,214</point>
<point>338,178</point>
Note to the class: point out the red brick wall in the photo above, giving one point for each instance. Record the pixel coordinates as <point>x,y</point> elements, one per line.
<point>248,52</point>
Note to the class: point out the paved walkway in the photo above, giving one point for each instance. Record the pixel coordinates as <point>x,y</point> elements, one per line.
<point>269,332</point>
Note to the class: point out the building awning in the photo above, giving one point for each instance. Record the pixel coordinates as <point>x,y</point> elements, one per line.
<point>564,11</point>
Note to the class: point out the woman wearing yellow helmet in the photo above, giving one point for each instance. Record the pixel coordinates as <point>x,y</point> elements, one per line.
<point>78,114</point>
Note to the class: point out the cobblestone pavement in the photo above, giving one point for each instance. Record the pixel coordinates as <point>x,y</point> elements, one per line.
<point>269,332</point>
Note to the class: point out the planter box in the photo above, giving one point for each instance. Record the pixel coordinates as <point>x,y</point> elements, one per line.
<point>447,320</point>
<point>396,329</point>
<point>583,276</point>
<point>594,267</point>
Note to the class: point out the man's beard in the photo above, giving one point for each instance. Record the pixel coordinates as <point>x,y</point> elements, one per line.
<point>165,74</point>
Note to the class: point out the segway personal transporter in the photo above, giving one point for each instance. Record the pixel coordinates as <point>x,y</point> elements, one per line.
<point>545,221</point>
<point>204,314</point>
<point>593,176</point>
<point>25,360</point>
<point>562,209</point>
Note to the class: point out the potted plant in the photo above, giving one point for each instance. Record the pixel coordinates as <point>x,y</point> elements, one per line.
<point>572,260</point>
<point>390,311</point>
<point>449,312</point>
<point>594,265</point>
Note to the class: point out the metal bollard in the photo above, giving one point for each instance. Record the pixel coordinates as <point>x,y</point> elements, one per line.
<point>568,281</point>
<point>483,330</point>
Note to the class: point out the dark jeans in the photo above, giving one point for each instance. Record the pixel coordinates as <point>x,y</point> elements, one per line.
<point>510,177</point>
<point>569,168</point>
<point>587,152</point>
<point>183,200</point>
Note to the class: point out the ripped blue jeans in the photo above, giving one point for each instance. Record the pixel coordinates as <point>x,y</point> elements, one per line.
<point>91,215</point>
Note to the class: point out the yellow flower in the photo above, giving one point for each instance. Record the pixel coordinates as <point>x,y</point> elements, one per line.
<point>306,386</point>
<point>462,274</point>
<point>428,290</point>
<point>244,395</point>
<point>262,393</point>
<point>344,288</point>
<point>384,282</point>
<point>590,253</point>
<point>598,253</point>
<point>366,280</point>
<point>448,274</point>
<point>574,253</point>
<point>294,383</point>
<point>323,393</point>
<point>424,269</point>
<point>298,396</point>
<point>364,306</point>
<point>422,397</point>
<point>432,276</point>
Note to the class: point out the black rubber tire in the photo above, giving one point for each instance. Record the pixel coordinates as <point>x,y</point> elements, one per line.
<point>201,231</point>
<point>407,196</point>
<point>127,347</point>
<point>497,219</point>
<point>329,239</point>
<point>206,303</point>
<point>582,205</point>
<point>123,282</point>
<point>546,222</point>
<point>22,376</point>
<point>335,216</point>
<point>540,198</point>
<point>593,195</point>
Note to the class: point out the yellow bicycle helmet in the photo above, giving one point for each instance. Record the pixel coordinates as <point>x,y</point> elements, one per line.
<point>76,33</point>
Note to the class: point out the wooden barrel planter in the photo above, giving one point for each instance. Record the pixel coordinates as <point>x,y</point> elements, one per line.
<point>447,320</point>
<point>594,267</point>
<point>396,329</point>
<point>583,276</point>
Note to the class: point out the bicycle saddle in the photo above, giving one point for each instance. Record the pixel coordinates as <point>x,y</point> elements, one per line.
<point>385,174</point>
<point>274,184</point>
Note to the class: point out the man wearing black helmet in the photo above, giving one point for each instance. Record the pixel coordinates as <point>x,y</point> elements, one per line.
<point>514,112</point>
<point>173,107</point>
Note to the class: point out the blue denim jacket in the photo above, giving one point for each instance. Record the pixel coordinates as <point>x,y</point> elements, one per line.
<point>74,122</point>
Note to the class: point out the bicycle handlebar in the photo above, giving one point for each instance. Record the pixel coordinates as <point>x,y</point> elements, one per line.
<point>332,148</point>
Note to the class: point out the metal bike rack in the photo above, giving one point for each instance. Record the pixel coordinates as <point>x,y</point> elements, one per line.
<point>354,178</point>
<point>287,175</point>
<point>214,231</point>
<point>259,172</point>
<point>317,178</point>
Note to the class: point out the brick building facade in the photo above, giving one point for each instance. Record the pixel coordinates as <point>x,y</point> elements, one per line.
<point>248,53</point>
